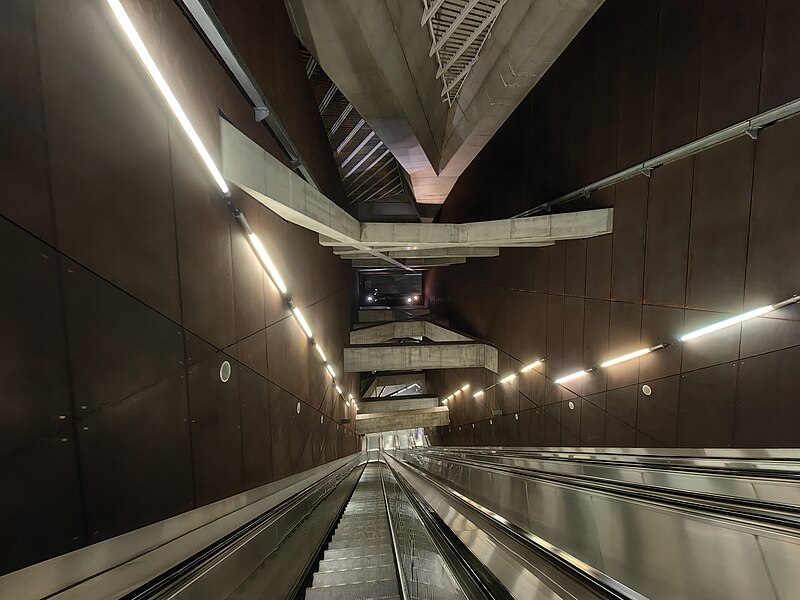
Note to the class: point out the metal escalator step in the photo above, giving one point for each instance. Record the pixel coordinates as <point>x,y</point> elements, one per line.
<point>367,590</point>
<point>344,544</point>
<point>334,553</point>
<point>354,575</point>
<point>362,535</point>
<point>342,564</point>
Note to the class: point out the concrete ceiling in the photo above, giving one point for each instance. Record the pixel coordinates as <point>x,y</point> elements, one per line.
<point>382,55</point>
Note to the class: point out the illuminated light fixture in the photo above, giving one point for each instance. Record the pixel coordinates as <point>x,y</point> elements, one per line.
<point>338,389</point>
<point>571,376</point>
<point>408,299</point>
<point>445,400</point>
<point>464,387</point>
<point>302,320</point>
<point>350,396</point>
<point>478,394</point>
<point>621,359</point>
<point>727,322</point>
<point>370,298</point>
<point>172,101</point>
<point>533,365</point>
<point>267,262</point>
<point>508,378</point>
<point>331,371</point>
<point>320,352</point>
<point>416,298</point>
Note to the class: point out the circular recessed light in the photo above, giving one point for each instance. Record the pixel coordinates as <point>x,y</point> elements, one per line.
<point>225,371</point>
<point>516,416</point>
<point>571,405</point>
<point>647,390</point>
<point>298,408</point>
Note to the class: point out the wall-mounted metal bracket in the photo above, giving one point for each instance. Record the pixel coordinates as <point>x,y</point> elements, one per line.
<point>646,172</point>
<point>261,113</point>
<point>752,132</point>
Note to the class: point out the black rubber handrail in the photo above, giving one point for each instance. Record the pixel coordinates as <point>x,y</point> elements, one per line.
<point>172,576</point>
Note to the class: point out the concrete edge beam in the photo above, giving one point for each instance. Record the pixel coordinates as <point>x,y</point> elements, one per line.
<point>376,334</point>
<point>407,419</point>
<point>396,357</point>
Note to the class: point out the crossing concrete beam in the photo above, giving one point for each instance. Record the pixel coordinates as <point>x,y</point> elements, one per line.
<point>407,419</point>
<point>406,329</point>
<point>406,357</point>
<point>396,404</point>
<point>381,315</point>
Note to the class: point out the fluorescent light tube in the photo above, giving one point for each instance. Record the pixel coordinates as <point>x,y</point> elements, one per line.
<point>350,396</point>
<point>574,375</point>
<point>331,371</point>
<point>533,365</point>
<point>302,320</point>
<point>320,352</point>
<point>727,322</point>
<point>172,101</point>
<point>464,387</point>
<point>338,389</point>
<point>508,378</point>
<point>445,400</point>
<point>620,359</point>
<point>478,394</point>
<point>267,262</point>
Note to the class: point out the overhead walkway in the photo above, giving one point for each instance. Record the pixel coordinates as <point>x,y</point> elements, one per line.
<point>554,523</point>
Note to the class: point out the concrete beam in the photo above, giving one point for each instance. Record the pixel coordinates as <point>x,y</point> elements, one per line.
<point>407,419</point>
<point>410,262</point>
<point>382,315</point>
<point>377,54</point>
<point>406,329</point>
<point>396,404</point>
<point>407,357</point>
<point>387,384</point>
<point>488,252</point>
<point>250,167</point>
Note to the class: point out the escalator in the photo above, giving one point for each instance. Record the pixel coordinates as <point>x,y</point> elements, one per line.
<point>359,561</point>
<point>558,524</point>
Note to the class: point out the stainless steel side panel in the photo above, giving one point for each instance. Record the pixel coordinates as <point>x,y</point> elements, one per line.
<point>658,551</point>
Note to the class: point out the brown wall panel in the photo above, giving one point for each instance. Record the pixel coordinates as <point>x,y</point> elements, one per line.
<point>667,246</point>
<point>707,405</point>
<point>256,428</point>
<point>23,154</point>
<point>117,345</point>
<point>680,27</point>
<point>111,190</point>
<point>216,427</point>
<point>781,51</point>
<point>630,217</point>
<point>136,460</point>
<point>657,414</point>
<point>731,63</point>
<point>719,225</point>
<point>766,400</point>
<point>34,369</point>
<point>42,502</point>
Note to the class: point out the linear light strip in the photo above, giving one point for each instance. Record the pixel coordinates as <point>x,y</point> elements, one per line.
<point>258,247</point>
<point>166,92</point>
<point>727,323</point>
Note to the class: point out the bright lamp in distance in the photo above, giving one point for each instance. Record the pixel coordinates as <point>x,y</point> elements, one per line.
<point>508,378</point>
<point>331,371</point>
<point>621,359</point>
<point>320,352</point>
<point>478,394</point>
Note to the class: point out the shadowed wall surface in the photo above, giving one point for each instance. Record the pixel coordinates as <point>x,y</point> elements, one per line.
<point>126,283</point>
<point>700,239</point>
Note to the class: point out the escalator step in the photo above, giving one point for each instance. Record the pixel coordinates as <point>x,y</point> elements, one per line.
<point>341,564</point>
<point>386,588</point>
<point>354,575</point>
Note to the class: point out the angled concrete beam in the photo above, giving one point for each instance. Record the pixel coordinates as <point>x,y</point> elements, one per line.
<point>406,329</point>
<point>382,315</point>
<point>411,262</point>
<point>424,253</point>
<point>395,379</point>
<point>396,404</point>
<point>407,419</point>
<point>406,357</point>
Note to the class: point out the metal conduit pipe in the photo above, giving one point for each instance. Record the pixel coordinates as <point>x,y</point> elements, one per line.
<point>749,127</point>
<point>209,26</point>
